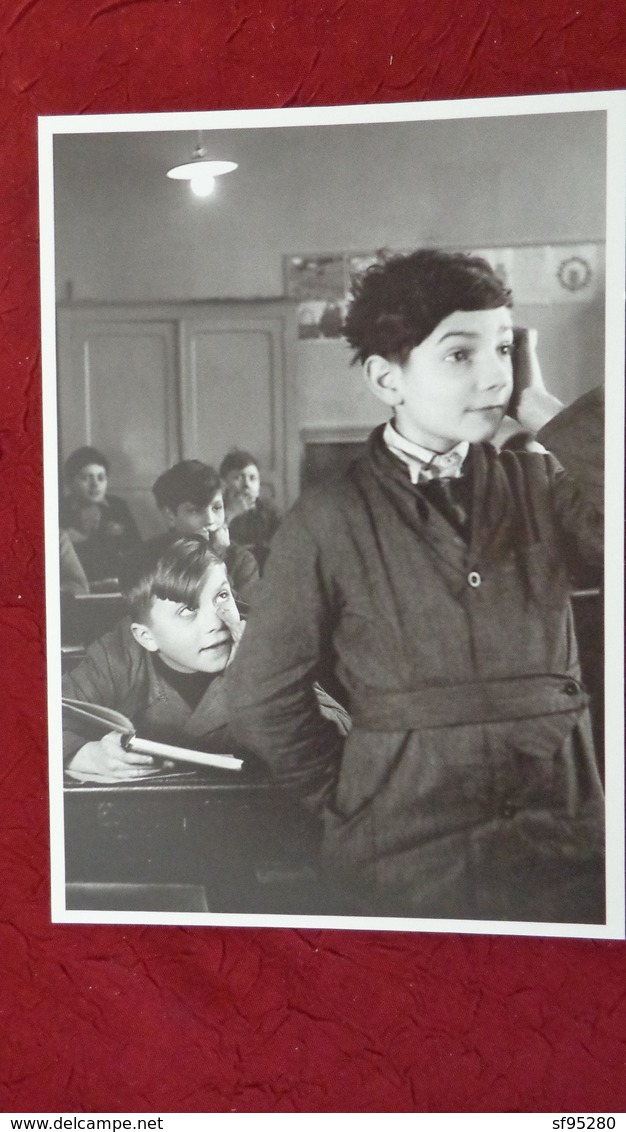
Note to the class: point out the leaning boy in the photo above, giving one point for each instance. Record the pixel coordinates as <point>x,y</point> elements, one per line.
<point>163,665</point>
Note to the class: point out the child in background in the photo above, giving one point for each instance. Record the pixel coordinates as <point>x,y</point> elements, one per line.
<point>252,520</point>
<point>432,580</point>
<point>100,526</point>
<point>189,497</point>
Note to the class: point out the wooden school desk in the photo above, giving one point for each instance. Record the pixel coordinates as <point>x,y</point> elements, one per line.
<point>244,846</point>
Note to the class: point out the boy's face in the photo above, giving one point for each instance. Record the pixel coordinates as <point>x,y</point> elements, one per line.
<point>89,485</point>
<point>190,519</point>
<point>245,484</point>
<point>188,639</point>
<point>456,384</point>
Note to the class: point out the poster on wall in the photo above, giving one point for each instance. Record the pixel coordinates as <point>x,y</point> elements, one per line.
<point>537,274</point>
<point>409,725</point>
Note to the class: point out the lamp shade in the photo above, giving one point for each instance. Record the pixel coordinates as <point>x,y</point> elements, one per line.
<point>201,165</point>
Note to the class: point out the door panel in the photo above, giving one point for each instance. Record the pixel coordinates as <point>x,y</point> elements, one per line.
<point>151,384</point>
<point>232,370</point>
<point>234,388</point>
<point>118,392</point>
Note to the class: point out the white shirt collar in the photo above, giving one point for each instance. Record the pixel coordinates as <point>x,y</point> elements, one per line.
<point>423,464</point>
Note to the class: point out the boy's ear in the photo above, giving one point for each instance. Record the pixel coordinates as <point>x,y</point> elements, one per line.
<point>382,378</point>
<point>170,517</point>
<point>143,636</point>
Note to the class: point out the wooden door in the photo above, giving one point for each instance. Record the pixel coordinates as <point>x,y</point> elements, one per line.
<point>118,392</point>
<point>234,388</point>
<point>151,384</point>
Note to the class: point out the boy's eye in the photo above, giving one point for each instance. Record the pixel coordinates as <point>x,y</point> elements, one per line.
<point>460,355</point>
<point>186,611</point>
<point>506,349</point>
<point>224,595</point>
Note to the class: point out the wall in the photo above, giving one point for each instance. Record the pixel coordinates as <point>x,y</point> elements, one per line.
<point>126,232</point>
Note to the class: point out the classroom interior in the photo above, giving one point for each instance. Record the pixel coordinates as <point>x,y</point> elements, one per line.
<point>177,338</point>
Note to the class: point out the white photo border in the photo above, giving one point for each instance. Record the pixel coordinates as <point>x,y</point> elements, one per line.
<point>614,104</point>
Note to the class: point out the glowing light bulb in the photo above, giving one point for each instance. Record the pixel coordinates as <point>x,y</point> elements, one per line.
<point>202,183</point>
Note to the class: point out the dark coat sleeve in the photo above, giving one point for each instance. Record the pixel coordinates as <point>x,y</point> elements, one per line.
<point>111,675</point>
<point>272,703</point>
<point>120,514</point>
<point>242,569</point>
<point>573,474</point>
<point>576,437</point>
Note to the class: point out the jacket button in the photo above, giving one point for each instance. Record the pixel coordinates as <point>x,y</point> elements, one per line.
<point>508,810</point>
<point>474,579</point>
<point>571,688</point>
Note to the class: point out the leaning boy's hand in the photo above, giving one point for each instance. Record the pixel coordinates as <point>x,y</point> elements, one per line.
<point>530,404</point>
<point>231,619</point>
<point>108,758</point>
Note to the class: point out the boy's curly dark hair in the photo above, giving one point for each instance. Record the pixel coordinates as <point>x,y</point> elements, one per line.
<point>190,481</point>
<point>398,303</point>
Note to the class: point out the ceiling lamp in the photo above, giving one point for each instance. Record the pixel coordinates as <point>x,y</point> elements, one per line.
<point>201,172</point>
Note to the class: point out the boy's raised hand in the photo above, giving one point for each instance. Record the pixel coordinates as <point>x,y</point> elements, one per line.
<point>219,540</point>
<point>530,404</point>
<point>107,757</point>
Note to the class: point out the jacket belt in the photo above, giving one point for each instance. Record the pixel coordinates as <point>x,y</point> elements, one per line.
<point>450,705</point>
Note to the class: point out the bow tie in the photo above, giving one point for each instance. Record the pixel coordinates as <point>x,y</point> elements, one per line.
<point>447,466</point>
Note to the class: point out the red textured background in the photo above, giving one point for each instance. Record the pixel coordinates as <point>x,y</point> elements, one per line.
<point>210,1020</point>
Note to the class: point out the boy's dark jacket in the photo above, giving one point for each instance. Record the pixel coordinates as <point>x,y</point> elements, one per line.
<point>118,673</point>
<point>468,785</point>
<point>257,526</point>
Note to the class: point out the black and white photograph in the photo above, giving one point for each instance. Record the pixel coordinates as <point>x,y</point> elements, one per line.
<point>333,412</point>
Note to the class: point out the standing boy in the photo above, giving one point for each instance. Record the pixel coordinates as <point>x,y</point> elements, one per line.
<point>432,579</point>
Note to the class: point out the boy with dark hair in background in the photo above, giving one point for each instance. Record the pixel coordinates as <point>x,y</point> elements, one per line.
<point>189,497</point>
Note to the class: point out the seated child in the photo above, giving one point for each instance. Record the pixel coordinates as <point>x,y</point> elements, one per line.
<point>72,577</point>
<point>252,520</point>
<point>100,526</point>
<point>432,578</point>
<point>189,497</point>
<point>164,665</point>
